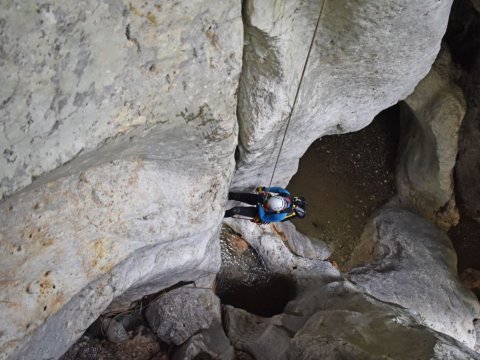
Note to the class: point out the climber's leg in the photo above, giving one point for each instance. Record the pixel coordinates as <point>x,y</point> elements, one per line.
<point>248,198</point>
<point>247,211</point>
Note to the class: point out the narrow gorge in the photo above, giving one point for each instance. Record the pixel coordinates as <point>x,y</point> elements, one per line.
<point>124,125</point>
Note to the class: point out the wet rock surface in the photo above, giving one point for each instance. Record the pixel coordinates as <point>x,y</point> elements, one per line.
<point>245,282</point>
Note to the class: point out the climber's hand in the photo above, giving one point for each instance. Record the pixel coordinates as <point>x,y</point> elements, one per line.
<point>257,221</point>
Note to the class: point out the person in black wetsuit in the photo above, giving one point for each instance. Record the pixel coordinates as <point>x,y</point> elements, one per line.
<point>271,204</point>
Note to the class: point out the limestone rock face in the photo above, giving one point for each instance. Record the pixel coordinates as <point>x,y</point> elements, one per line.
<point>367,56</point>
<point>468,165</point>
<point>147,94</point>
<point>76,75</point>
<point>429,144</point>
<point>409,262</point>
<point>335,320</point>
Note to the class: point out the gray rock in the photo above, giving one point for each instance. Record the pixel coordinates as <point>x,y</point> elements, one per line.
<point>367,56</point>
<point>178,314</point>
<point>429,144</point>
<point>405,260</point>
<point>147,94</point>
<point>212,342</point>
<point>143,345</point>
<point>76,75</point>
<point>337,321</point>
<point>255,335</point>
<point>113,330</point>
<point>468,165</point>
<point>476,4</point>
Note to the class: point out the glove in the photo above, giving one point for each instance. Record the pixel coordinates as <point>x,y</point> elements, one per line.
<point>260,190</point>
<point>257,221</point>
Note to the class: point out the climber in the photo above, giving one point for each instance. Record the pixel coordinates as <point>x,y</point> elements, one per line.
<point>272,204</point>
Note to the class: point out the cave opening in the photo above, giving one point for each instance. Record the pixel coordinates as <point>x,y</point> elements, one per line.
<point>345,178</point>
<point>245,282</point>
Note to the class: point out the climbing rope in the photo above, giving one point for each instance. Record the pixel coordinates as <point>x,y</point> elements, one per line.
<point>298,90</point>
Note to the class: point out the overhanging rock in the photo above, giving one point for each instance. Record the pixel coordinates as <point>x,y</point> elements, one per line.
<point>367,56</point>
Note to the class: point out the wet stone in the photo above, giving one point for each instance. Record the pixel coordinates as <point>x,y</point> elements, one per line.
<point>244,281</point>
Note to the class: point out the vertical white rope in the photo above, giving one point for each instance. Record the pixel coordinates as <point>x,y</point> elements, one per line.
<point>298,90</point>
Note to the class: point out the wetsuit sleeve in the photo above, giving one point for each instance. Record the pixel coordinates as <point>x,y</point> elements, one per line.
<point>268,218</point>
<point>277,190</point>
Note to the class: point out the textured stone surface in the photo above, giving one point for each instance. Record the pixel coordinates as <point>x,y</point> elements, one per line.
<point>409,262</point>
<point>337,321</point>
<point>142,211</point>
<point>300,244</point>
<point>333,317</point>
<point>113,330</point>
<point>476,4</point>
<point>367,56</point>
<point>211,343</point>
<point>76,75</point>
<point>429,144</point>
<point>272,245</point>
<point>178,314</point>
<point>143,345</point>
<point>467,170</point>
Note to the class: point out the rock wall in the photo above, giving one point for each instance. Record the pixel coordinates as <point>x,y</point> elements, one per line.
<point>428,151</point>
<point>335,318</point>
<point>367,56</point>
<point>118,134</point>
<point>337,321</point>
<point>465,44</point>
<point>147,95</point>
<point>405,260</point>
<point>76,75</point>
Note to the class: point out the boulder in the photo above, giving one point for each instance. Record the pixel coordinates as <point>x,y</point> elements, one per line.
<point>138,103</point>
<point>336,320</point>
<point>429,144</point>
<point>403,259</point>
<point>178,314</point>
<point>143,345</point>
<point>113,330</point>
<point>211,343</point>
<point>278,245</point>
<point>367,55</point>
